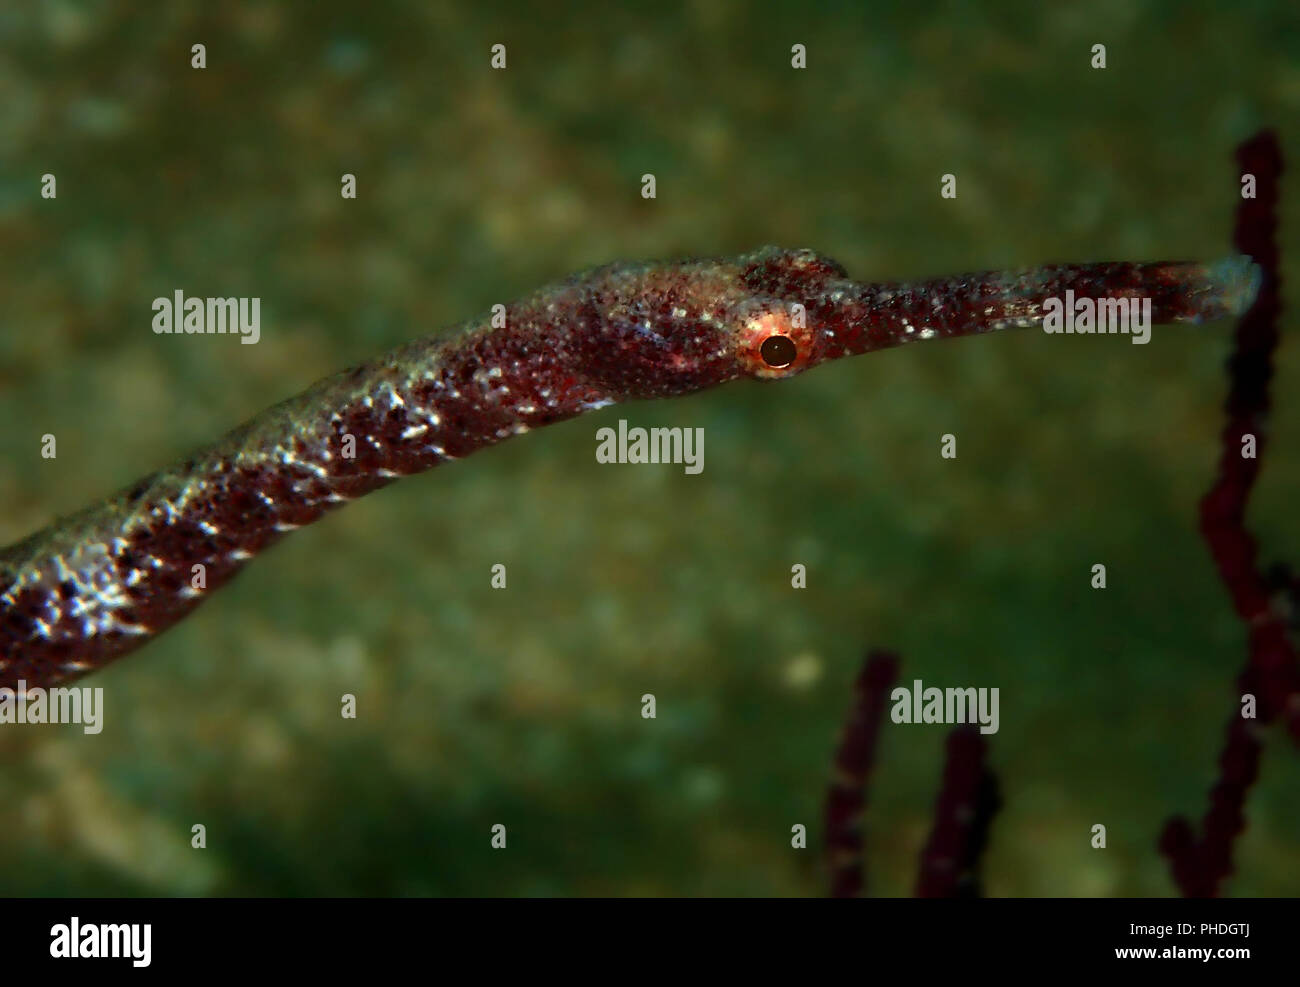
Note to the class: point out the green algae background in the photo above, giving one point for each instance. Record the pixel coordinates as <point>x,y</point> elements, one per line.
<point>522,706</point>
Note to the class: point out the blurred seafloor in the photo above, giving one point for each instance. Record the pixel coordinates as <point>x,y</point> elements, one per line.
<point>522,707</point>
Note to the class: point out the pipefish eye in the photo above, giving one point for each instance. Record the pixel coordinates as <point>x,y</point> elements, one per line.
<point>778,351</point>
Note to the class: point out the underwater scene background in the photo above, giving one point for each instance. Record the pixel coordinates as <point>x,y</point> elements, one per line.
<point>523,706</point>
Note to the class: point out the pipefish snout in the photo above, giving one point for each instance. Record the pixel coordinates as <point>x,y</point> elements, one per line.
<point>105,581</point>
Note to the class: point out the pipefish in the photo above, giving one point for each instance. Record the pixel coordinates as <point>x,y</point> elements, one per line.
<point>105,581</point>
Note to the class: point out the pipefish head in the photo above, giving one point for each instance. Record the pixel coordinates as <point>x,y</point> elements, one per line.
<point>661,330</point>
<point>775,336</point>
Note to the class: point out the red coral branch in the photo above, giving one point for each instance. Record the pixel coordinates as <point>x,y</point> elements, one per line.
<point>968,799</point>
<point>846,801</point>
<point>963,813</point>
<point>1199,865</point>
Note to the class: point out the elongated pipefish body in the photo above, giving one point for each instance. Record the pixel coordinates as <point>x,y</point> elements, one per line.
<point>100,583</point>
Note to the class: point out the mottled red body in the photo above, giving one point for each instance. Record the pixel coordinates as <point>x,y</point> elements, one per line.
<point>101,583</point>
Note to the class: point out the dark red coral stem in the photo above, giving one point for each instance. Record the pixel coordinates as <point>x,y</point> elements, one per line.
<point>968,800</point>
<point>1200,864</point>
<point>846,801</point>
